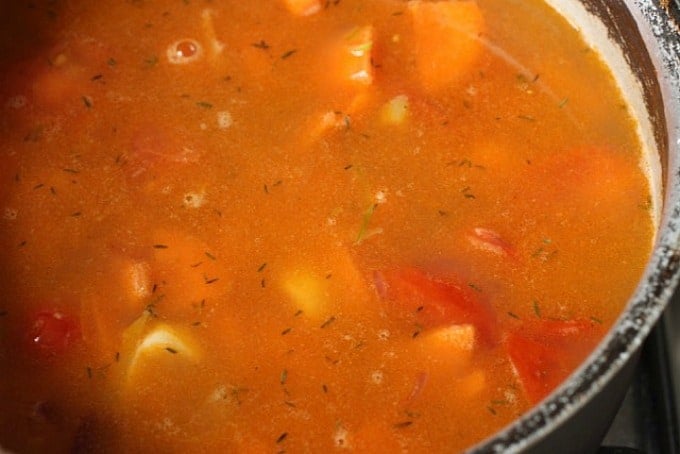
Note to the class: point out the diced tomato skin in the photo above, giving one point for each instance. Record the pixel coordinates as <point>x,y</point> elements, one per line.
<point>545,352</point>
<point>491,241</point>
<point>436,302</point>
<point>52,332</point>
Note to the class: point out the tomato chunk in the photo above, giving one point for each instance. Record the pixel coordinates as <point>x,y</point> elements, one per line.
<point>436,302</point>
<point>544,353</point>
<point>53,331</point>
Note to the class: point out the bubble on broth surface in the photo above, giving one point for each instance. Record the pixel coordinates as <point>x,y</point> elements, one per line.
<point>184,51</point>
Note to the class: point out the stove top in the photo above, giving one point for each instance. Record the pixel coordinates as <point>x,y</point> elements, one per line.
<point>648,420</point>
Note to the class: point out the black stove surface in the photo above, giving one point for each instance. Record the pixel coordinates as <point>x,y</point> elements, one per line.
<point>648,420</point>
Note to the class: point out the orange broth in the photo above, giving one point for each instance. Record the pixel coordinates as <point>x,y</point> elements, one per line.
<point>291,226</point>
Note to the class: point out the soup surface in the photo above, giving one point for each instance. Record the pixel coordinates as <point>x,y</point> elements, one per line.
<point>302,226</point>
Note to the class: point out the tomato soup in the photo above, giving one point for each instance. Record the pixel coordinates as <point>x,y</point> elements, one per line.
<point>303,225</point>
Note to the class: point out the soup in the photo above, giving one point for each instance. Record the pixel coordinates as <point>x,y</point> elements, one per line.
<point>298,225</point>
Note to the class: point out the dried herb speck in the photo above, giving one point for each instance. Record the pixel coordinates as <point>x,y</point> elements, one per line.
<point>328,322</point>
<point>288,54</point>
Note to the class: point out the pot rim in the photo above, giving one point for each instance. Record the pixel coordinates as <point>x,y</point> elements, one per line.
<point>662,41</point>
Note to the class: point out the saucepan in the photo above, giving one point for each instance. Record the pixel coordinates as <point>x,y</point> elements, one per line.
<point>640,41</point>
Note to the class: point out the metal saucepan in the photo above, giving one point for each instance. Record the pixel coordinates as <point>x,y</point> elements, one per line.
<point>641,43</point>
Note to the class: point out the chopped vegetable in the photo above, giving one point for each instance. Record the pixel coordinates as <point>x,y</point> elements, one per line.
<point>446,40</point>
<point>162,339</point>
<point>307,292</point>
<point>395,111</point>
<point>351,57</point>
<point>303,7</point>
<point>53,331</point>
<point>491,241</point>
<point>436,302</point>
<point>545,351</point>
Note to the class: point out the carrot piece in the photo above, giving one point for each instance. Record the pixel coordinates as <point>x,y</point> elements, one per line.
<point>350,58</point>
<point>446,40</point>
<point>303,7</point>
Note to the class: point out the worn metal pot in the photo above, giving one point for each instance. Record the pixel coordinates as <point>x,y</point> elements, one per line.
<point>639,39</point>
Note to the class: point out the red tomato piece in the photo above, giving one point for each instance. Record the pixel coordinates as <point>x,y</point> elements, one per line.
<point>53,331</point>
<point>436,302</point>
<point>544,353</point>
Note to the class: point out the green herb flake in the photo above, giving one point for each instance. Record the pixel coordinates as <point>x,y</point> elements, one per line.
<point>111,62</point>
<point>160,246</point>
<point>537,309</point>
<point>262,267</point>
<point>204,105</point>
<point>563,103</point>
<point>210,256</point>
<point>286,331</point>
<point>283,378</point>
<point>87,101</point>
<point>282,437</point>
<point>491,410</point>
<point>596,320</point>
<point>513,315</point>
<point>363,231</point>
<point>171,350</point>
